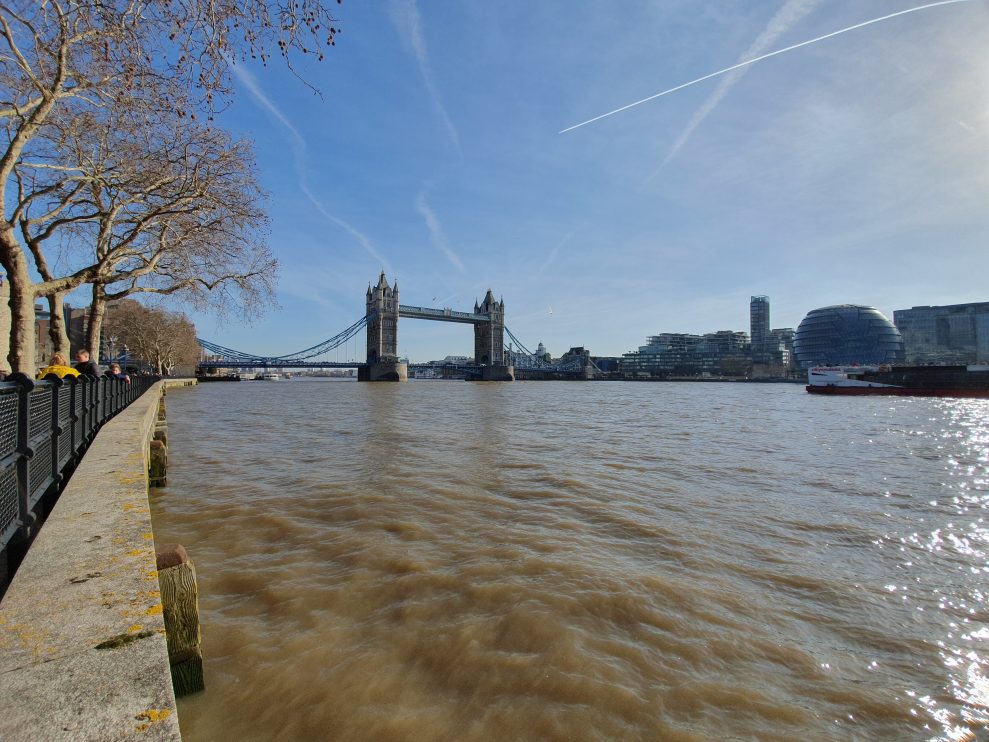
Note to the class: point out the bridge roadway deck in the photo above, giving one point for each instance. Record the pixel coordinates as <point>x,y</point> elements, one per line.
<point>442,315</point>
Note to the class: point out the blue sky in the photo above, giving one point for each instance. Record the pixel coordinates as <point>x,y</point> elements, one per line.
<point>851,170</point>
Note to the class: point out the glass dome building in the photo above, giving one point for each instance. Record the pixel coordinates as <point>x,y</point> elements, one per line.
<point>846,334</point>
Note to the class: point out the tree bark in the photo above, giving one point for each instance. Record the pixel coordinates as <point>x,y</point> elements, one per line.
<point>4,325</point>
<point>22,292</point>
<point>97,311</point>
<point>57,329</point>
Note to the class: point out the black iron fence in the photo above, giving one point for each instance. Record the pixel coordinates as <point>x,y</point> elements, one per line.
<point>45,427</point>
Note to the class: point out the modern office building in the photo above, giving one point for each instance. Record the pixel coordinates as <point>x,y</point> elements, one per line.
<point>846,334</point>
<point>956,333</point>
<point>759,327</point>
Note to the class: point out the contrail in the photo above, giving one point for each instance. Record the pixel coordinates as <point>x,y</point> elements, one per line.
<point>791,13</point>
<point>436,232</point>
<point>761,57</point>
<point>408,12</point>
<point>300,150</point>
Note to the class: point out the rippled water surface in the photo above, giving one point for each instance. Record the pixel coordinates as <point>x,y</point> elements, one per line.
<point>581,561</point>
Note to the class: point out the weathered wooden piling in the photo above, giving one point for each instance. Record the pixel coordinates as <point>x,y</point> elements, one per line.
<point>161,432</point>
<point>157,464</point>
<point>180,606</point>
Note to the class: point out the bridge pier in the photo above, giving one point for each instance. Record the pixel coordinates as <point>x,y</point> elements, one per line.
<point>498,373</point>
<point>383,371</point>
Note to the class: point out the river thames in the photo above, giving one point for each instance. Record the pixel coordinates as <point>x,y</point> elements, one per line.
<point>444,560</point>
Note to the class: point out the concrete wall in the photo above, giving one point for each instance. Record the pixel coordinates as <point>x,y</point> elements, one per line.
<point>82,638</point>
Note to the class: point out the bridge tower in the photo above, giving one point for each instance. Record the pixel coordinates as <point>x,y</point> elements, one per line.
<point>489,341</point>
<point>382,334</point>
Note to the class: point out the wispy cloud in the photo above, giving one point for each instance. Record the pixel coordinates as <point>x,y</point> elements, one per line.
<point>552,254</point>
<point>300,153</point>
<point>405,16</point>
<point>786,17</point>
<point>726,70</point>
<point>436,232</point>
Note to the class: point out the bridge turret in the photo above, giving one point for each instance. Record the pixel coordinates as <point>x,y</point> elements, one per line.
<point>489,337</point>
<point>382,322</point>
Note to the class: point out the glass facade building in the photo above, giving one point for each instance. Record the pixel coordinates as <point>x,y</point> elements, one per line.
<point>847,334</point>
<point>957,333</point>
<point>759,327</point>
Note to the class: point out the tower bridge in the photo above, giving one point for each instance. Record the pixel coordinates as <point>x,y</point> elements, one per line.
<point>492,360</point>
<point>383,310</point>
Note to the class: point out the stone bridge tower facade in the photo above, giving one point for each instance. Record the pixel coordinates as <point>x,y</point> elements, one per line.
<point>382,334</point>
<point>382,322</point>
<point>489,337</point>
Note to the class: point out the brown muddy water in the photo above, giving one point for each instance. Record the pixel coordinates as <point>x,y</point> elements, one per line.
<point>581,561</point>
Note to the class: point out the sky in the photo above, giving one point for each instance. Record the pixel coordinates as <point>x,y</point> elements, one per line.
<point>850,170</point>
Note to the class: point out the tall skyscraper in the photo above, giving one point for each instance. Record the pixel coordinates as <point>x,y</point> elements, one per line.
<point>759,327</point>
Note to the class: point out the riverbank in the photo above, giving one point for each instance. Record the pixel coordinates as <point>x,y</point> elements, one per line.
<point>82,638</point>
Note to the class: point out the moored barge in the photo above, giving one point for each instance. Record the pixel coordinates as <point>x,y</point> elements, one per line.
<point>911,381</point>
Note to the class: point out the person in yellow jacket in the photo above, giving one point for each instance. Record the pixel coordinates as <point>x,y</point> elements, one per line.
<point>58,365</point>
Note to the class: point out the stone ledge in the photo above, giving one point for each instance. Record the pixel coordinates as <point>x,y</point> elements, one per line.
<point>90,579</point>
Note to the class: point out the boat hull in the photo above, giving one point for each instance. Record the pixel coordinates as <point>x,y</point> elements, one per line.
<point>893,391</point>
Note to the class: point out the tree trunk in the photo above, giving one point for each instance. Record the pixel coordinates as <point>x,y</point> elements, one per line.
<point>21,303</point>
<point>97,311</point>
<point>57,329</point>
<point>4,325</point>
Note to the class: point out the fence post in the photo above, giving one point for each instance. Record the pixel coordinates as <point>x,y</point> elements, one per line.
<point>25,385</point>
<point>56,430</point>
<point>73,414</point>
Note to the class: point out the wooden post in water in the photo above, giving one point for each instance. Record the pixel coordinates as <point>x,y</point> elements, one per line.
<point>180,606</point>
<point>161,432</point>
<point>158,464</point>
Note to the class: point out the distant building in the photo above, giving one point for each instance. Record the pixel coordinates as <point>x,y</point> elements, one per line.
<point>681,354</point>
<point>453,361</point>
<point>956,333</point>
<point>610,365</point>
<point>759,327</point>
<point>771,350</point>
<point>43,345</point>
<point>846,334</point>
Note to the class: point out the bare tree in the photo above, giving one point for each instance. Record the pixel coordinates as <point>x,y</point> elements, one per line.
<point>160,338</point>
<point>69,60</point>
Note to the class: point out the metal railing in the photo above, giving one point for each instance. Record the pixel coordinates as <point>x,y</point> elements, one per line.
<point>45,427</point>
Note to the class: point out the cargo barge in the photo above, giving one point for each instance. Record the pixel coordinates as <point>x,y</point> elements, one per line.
<point>911,381</point>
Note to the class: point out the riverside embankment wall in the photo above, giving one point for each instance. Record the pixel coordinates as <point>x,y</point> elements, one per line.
<point>82,638</point>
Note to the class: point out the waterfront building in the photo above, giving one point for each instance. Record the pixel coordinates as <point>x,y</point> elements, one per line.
<point>682,354</point>
<point>846,334</point>
<point>610,365</point>
<point>955,333</point>
<point>783,340</point>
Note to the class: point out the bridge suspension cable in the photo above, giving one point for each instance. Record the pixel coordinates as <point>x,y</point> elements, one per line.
<point>526,359</point>
<point>242,358</point>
